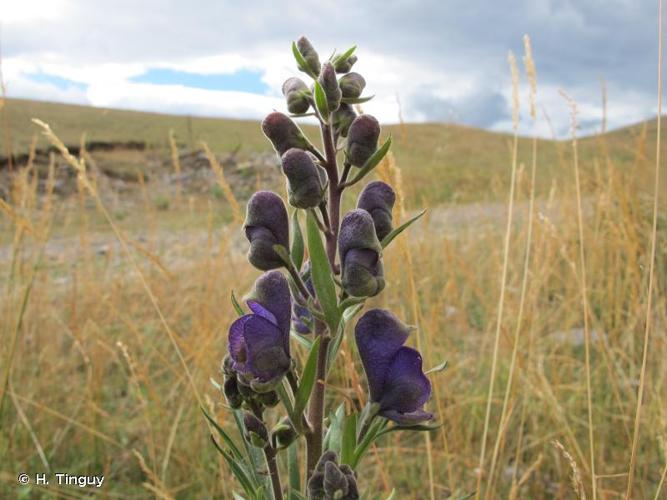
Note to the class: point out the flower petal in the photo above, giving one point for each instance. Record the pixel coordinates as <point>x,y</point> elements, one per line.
<point>406,388</point>
<point>260,310</point>
<point>267,358</point>
<point>411,418</point>
<point>379,335</point>
<point>236,343</point>
<point>273,293</point>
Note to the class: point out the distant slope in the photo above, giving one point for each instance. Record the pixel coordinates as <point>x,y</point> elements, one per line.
<point>440,162</point>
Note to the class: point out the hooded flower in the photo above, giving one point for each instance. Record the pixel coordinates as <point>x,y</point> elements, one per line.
<point>352,85</point>
<point>310,55</point>
<point>302,318</point>
<point>362,139</point>
<point>394,372</point>
<point>266,224</point>
<point>329,83</point>
<point>297,94</point>
<point>306,182</point>
<point>359,247</point>
<point>378,199</point>
<point>332,481</point>
<point>259,341</point>
<point>283,133</point>
<point>342,118</point>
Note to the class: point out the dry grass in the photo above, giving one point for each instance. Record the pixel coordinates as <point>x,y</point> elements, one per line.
<point>105,355</point>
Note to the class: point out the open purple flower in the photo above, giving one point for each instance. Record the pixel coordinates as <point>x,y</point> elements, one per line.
<point>395,378</point>
<point>266,224</point>
<point>362,271</point>
<point>378,199</point>
<point>259,341</point>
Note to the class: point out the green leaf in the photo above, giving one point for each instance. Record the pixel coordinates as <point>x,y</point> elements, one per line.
<point>237,469</point>
<point>321,273</point>
<point>367,440</point>
<point>389,238</point>
<point>287,402</point>
<point>300,61</point>
<point>344,55</point>
<point>293,472</point>
<point>349,439</point>
<point>371,163</point>
<point>301,339</point>
<point>256,456</point>
<point>307,379</point>
<point>356,100</point>
<point>283,254</point>
<point>237,306</point>
<point>321,101</point>
<point>437,368</point>
<point>417,427</point>
<point>332,439</point>
<point>297,241</point>
<point>236,452</point>
<point>237,496</point>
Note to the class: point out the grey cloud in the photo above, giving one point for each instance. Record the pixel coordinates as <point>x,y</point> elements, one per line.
<point>480,109</point>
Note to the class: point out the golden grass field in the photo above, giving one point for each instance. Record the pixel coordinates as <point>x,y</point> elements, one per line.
<point>92,377</point>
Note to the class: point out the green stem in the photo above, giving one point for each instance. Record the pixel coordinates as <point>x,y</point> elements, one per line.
<point>316,409</point>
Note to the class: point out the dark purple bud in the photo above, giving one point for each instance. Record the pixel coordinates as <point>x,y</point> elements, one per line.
<point>256,432</point>
<point>335,482</point>
<point>302,318</point>
<point>359,248</point>
<point>259,341</point>
<point>306,182</point>
<point>310,55</point>
<point>268,399</point>
<point>231,390</point>
<point>283,434</point>
<point>329,83</point>
<point>342,118</point>
<point>297,94</point>
<point>266,224</point>
<point>332,481</point>
<point>283,133</point>
<point>352,85</point>
<point>345,65</point>
<point>395,378</point>
<point>362,139</point>
<point>378,199</point>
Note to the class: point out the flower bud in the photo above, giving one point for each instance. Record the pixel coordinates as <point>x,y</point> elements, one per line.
<point>342,118</point>
<point>331,481</point>
<point>310,55</point>
<point>268,399</point>
<point>362,273</point>
<point>378,199</point>
<point>345,65</point>
<point>283,133</point>
<point>231,390</point>
<point>283,434</point>
<point>266,225</point>
<point>362,139</point>
<point>297,94</point>
<point>306,182</point>
<point>256,432</point>
<point>352,85</point>
<point>329,83</point>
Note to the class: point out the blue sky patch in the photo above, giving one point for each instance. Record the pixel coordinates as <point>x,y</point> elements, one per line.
<point>242,80</point>
<point>57,81</point>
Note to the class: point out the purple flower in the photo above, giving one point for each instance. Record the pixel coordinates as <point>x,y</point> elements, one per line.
<point>359,247</point>
<point>394,372</point>
<point>259,341</point>
<point>329,83</point>
<point>306,182</point>
<point>309,54</point>
<point>362,139</point>
<point>283,132</point>
<point>352,85</point>
<point>378,199</point>
<point>266,224</point>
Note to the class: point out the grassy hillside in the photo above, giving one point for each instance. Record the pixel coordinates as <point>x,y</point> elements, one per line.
<point>441,163</point>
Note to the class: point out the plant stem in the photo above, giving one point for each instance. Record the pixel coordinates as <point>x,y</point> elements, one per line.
<point>335,192</point>
<point>270,454</point>
<point>316,408</point>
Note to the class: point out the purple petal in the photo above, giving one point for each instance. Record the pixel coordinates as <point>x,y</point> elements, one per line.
<point>379,335</point>
<point>267,358</point>
<point>236,343</point>
<point>406,388</point>
<point>260,310</point>
<point>411,418</point>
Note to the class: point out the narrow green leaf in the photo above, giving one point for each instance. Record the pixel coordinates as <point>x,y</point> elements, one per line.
<point>349,439</point>
<point>237,306</point>
<point>308,376</point>
<point>283,254</point>
<point>344,55</point>
<point>255,455</point>
<point>297,241</point>
<point>287,402</point>
<point>356,100</point>
<point>237,469</point>
<point>321,101</point>
<point>301,339</point>
<point>332,439</point>
<point>293,472</point>
<point>418,428</point>
<point>371,163</point>
<point>321,273</point>
<point>438,368</point>
<point>389,238</point>
<point>367,440</point>
<point>228,440</point>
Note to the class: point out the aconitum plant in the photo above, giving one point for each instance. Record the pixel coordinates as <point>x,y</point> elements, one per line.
<point>311,292</point>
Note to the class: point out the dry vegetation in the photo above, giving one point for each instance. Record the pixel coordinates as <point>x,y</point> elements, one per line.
<point>106,353</point>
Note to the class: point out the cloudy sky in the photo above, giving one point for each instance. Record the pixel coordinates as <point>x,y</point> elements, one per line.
<point>442,60</point>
